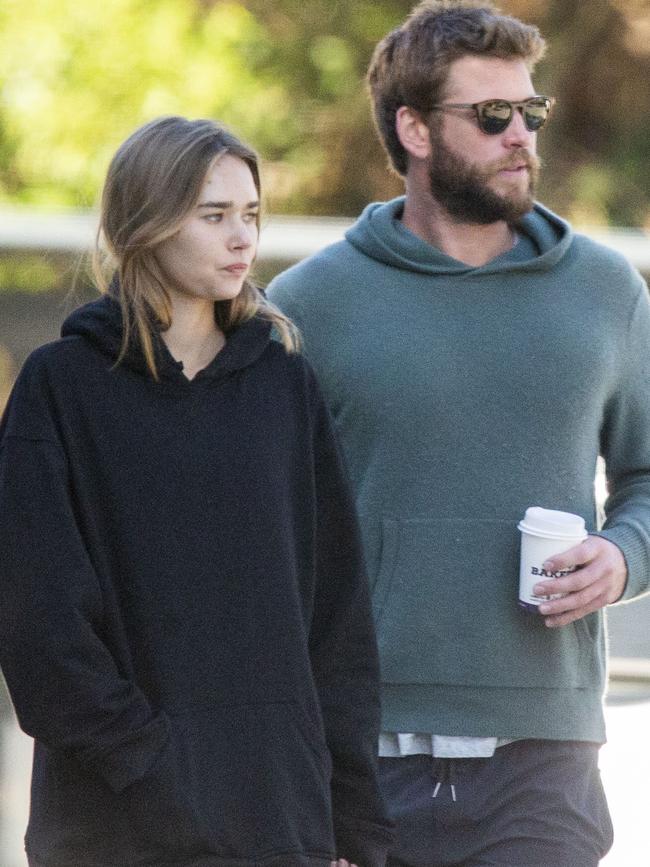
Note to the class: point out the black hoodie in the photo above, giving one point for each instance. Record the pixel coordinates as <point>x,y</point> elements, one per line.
<point>185,624</point>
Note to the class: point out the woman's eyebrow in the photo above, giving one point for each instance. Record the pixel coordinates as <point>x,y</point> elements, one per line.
<point>225,205</point>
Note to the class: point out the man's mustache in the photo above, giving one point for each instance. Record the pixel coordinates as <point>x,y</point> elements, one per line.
<point>516,159</point>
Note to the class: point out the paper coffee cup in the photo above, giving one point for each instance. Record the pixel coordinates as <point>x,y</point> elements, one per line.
<point>544,532</point>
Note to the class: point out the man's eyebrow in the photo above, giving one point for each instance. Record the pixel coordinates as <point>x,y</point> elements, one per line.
<point>225,205</point>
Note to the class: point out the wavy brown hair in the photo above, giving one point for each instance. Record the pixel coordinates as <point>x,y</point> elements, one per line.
<point>411,64</point>
<point>152,184</point>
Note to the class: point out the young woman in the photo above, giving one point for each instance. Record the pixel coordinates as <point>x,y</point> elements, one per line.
<point>185,624</point>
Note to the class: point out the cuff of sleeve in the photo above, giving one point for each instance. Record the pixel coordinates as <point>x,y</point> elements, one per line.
<point>632,539</point>
<point>135,756</point>
<point>364,844</point>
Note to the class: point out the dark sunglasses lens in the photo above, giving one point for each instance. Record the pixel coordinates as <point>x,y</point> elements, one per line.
<point>494,116</point>
<point>535,113</point>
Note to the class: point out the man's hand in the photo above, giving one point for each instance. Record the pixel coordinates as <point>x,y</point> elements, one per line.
<point>599,580</point>
<point>341,863</point>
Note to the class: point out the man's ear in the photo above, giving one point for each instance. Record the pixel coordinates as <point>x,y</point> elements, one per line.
<point>413,132</point>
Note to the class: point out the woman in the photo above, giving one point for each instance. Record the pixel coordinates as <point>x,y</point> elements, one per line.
<point>185,626</point>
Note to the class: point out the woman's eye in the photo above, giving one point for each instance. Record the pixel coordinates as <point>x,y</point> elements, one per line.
<point>213,218</point>
<point>251,217</point>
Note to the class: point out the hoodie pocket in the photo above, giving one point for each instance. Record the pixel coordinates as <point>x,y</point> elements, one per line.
<point>249,780</point>
<point>160,809</point>
<point>445,604</point>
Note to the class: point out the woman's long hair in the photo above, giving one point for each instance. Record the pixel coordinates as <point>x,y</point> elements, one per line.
<point>153,182</point>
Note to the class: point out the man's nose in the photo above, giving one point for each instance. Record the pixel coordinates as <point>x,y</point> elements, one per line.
<point>517,133</point>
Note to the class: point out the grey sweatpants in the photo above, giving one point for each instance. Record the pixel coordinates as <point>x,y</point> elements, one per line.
<point>535,803</point>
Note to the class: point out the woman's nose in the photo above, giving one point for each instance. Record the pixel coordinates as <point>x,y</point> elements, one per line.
<point>243,236</point>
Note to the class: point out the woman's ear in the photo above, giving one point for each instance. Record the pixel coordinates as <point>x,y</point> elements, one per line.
<point>413,132</point>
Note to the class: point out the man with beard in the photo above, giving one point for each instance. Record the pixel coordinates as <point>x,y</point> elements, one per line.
<point>478,356</point>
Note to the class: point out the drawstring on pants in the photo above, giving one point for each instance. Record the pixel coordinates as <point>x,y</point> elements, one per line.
<point>447,776</point>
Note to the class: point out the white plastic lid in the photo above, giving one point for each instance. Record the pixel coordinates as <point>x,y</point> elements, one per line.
<point>552,523</point>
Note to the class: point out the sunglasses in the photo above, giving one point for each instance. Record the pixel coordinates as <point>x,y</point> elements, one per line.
<point>494,115</point>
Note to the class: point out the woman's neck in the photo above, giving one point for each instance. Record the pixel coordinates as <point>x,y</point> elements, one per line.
<point>193,336</point>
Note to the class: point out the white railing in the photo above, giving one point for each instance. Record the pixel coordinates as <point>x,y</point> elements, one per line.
<point>285,238</point>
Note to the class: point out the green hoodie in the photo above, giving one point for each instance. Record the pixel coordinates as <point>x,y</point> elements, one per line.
<point>463,395</point>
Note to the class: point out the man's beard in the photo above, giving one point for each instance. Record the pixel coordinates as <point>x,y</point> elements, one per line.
<point>462,189</point>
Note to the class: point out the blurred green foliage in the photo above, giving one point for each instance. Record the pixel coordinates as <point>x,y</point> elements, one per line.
<point>30,272</point>
<point>76,78</point>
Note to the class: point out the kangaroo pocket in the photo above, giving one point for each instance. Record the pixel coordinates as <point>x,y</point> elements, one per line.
<point>258,776</point>
<point>235,781</point>
<point>445,603</point>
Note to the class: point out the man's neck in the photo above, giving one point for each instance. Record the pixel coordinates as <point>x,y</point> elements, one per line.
<point>471,243</point>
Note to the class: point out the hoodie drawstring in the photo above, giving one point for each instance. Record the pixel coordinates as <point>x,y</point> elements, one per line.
<point>446,775</point>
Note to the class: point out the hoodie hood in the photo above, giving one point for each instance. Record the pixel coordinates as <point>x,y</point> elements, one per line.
<point>100,323</point>
<point>379,234</point>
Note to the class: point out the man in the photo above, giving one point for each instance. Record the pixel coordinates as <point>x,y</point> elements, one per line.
<point>478,356</point>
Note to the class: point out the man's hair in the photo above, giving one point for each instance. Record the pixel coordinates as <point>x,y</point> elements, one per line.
<point>411,64</point>
<point>152,184</point>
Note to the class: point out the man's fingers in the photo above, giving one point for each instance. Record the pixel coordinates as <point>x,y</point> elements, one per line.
<point>575,614</point>
<point>590,597</point>
<point>572,557</point>
<point>599,581</point>
<point>571,583</point>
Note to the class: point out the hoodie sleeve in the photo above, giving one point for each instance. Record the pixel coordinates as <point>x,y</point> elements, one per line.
<point>344,659</point>
<point>66,688</point>
<point>625,446</point>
